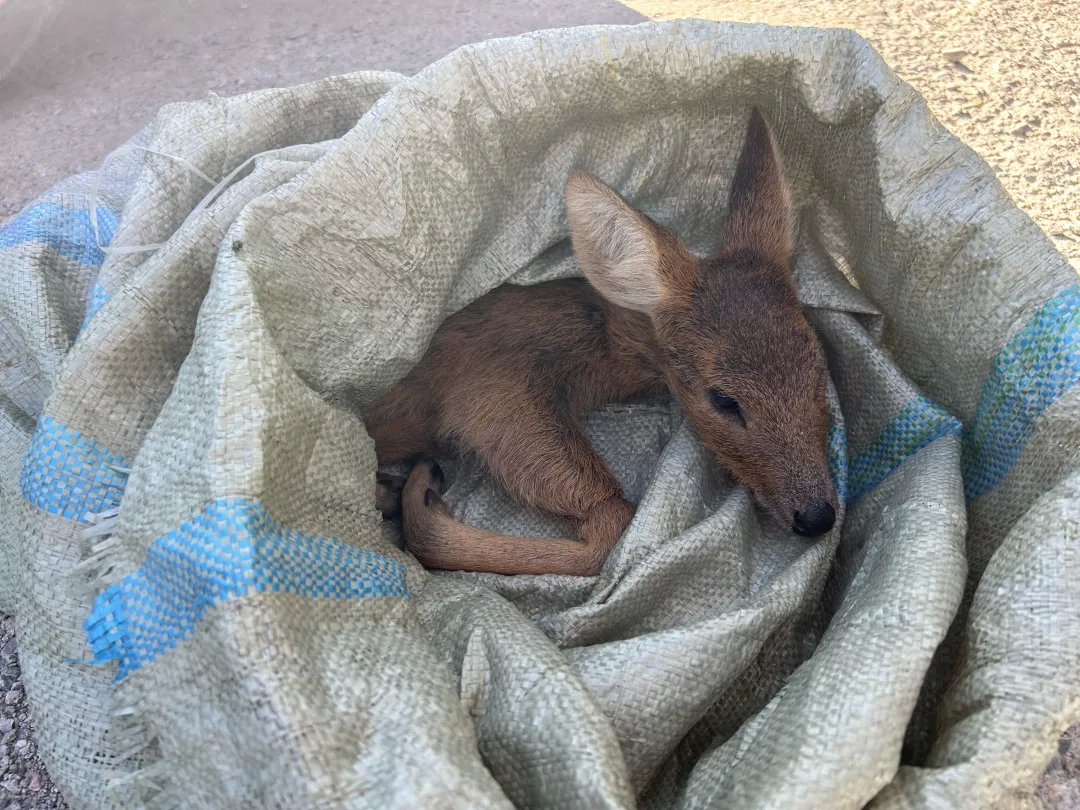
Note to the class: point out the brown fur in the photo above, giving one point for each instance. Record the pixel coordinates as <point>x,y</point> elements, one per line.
<point>509,376</point>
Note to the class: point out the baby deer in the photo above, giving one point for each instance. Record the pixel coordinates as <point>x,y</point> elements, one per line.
<point>508,377</point>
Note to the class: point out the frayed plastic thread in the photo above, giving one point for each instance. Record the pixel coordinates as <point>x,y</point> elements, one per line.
<point>149,782</point>
<point>132,778</point>
<point>96,188</point>
<point>104,527</point>
<point>207,200</point>
<point>99,552</point>
<point>97,517</point>
<point>97,563</point>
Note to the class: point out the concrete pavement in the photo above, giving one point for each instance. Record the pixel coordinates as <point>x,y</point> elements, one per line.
<point>98,70</point>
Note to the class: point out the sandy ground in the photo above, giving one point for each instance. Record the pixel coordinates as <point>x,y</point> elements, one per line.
<point>79,77</point>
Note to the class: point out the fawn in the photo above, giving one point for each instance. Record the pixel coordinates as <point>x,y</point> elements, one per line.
<point>507,378</point>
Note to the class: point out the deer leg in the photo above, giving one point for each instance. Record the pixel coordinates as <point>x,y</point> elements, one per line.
<point>545,463</point>
<point>388,489</point>
<point>397,440</point>
<point>554,468</point>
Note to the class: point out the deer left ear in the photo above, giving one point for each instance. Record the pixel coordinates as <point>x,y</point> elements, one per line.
<point>616,246</point>
<point>759,209</point>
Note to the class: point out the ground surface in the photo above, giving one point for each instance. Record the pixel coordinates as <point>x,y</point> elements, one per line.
<point>77,78</point>
<point>99,69</point>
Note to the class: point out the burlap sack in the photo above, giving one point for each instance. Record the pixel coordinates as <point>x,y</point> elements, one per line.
<point>245,631</point>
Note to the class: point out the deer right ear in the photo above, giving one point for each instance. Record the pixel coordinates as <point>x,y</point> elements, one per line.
<point>759,209</point>
<point>616,247</point>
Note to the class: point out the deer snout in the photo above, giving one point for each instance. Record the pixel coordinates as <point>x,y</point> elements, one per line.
<point>814,519</point>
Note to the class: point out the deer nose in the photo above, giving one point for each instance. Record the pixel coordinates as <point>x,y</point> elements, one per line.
<point>814,520</point>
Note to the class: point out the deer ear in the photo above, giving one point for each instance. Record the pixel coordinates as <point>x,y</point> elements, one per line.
<point>616,246</point>
<point>759,209</point>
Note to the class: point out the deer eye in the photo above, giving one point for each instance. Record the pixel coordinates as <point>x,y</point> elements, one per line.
<point>726,405</point>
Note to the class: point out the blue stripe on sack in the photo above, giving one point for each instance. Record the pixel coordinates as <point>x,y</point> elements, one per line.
<point>98,298</point>
<point>838,460</point>
<point>918,424</point>
<point>1034,369</point>
<point>231,548</point>
<point>65,230</point>
<point>67,474</point>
